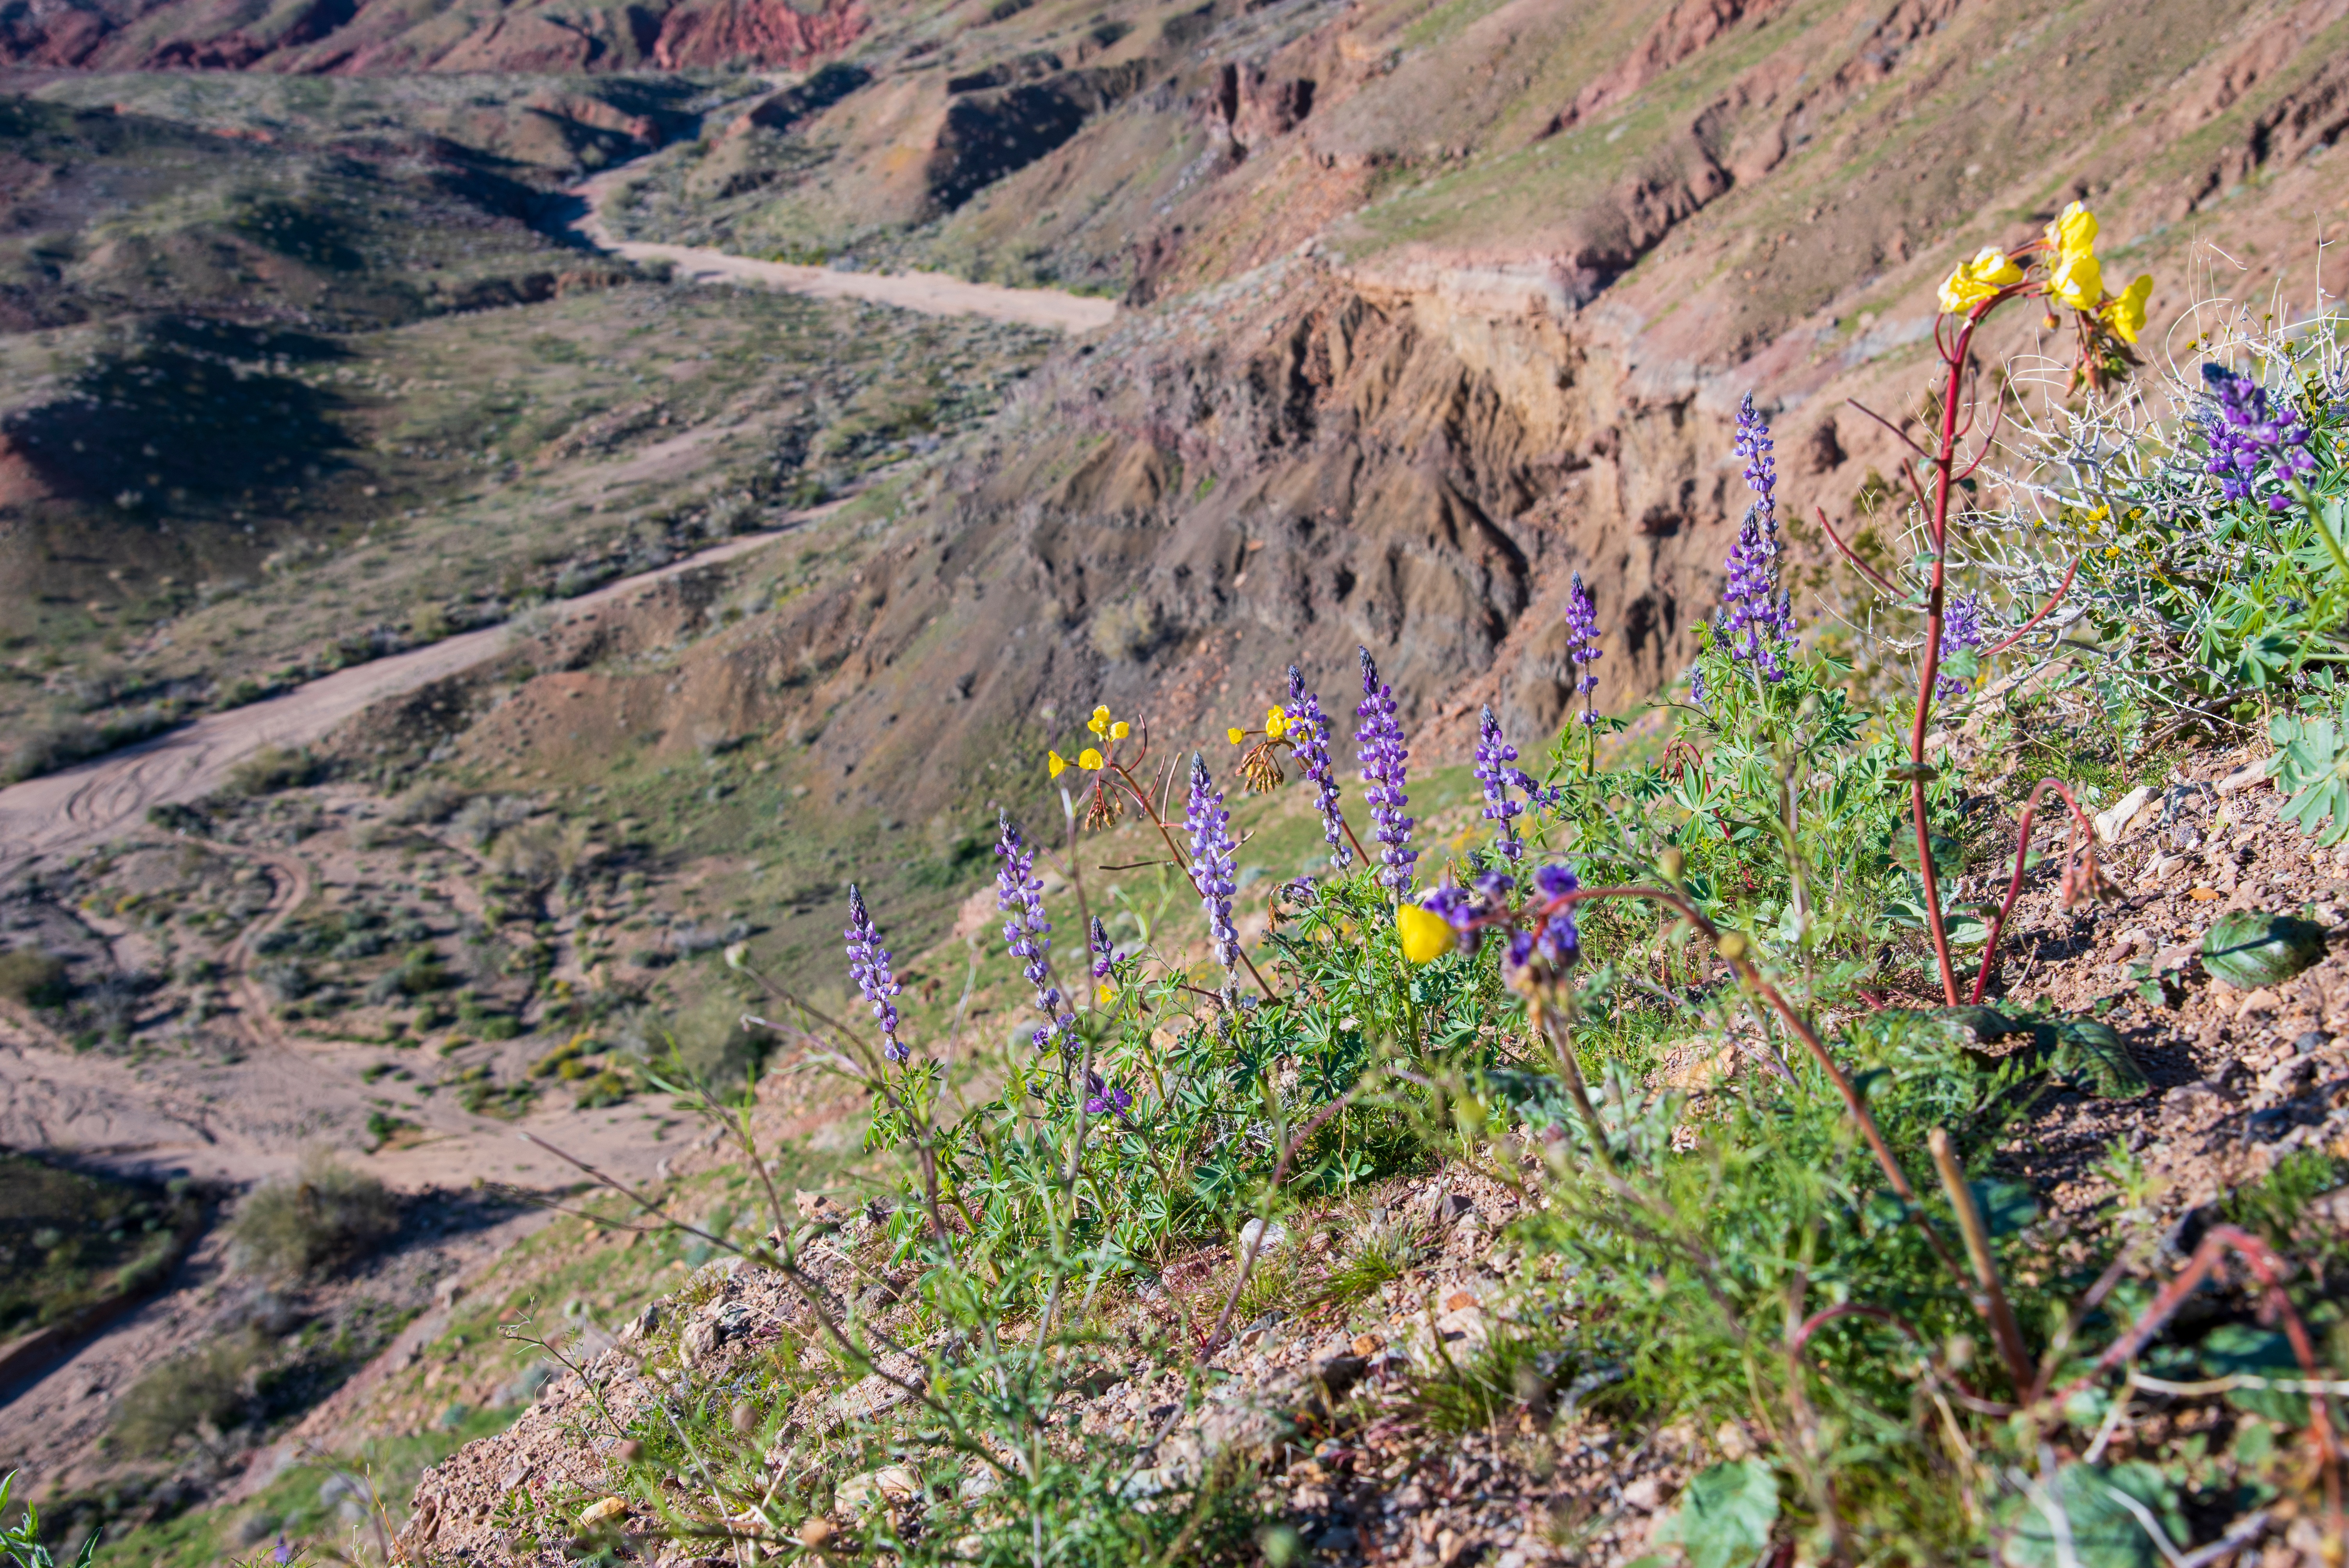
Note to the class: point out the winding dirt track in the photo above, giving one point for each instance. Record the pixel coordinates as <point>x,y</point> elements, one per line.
<point>102,798</point>
<point>932,293</point>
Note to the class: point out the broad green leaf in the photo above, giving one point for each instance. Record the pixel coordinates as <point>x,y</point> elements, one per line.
<point>1725,1517</point>
<point>2248,949</point>
<point>2237,1347</point>
<point>2089,1056</point>
<point>2104,1532</point>
<point>2006,1206</point>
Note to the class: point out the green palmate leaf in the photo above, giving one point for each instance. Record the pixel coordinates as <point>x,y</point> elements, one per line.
<point>1725,1517</point>
<point>2089,1056</point>
<point>2309,768</point>
<point>2237,1347</point>
<point>2104,1530</point>
<point>2248,949</point>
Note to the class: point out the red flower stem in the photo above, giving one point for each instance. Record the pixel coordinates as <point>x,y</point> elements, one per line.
<point>2014,883</point>
<point>1873,576</point>
<point>2275,1303</point>
<point>1938,533</point>
<point>2044,611</point>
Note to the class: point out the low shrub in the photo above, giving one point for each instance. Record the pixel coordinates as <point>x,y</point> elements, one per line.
<point>310,1225</point>
<point>270,770</point>
<point>32,978</point>
<point>208,1390</point>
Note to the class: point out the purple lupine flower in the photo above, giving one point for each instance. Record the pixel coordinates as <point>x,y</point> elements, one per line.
<point>1696,688</point>
<point>1494,756</point>
<point>1102,953</point>
<point>1309,737</point>
<point>1557,942</point>
<point>1582,642</point>
<point>1378,740</point>
<point>285,1553</point>
<point>868,965</point>
<point>1962,628</point>
<point>1758,619</point>
<point>1211,860</point>
<point>1106,1098</point>
<point>1020,894</point>
<point>2245,427</point>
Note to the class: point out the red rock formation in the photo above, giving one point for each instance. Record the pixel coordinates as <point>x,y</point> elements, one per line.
<point>768,32</point>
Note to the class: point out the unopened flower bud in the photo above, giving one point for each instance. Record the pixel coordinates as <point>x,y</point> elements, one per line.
<point>1731,945</point>
<point>737,954</point>
<point>1672,863</point>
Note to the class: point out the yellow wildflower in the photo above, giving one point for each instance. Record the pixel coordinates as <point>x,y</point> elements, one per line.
<point>2073,232</point>
<point>2125,312</point>
<point>1975,281</point>
<point>1276,724</point>
<point>1104,993</point>
<point>2077,281</point>
<point>1055,763</point>
<point>1120,730</point>
<point>1235,733</point>
<point>1090,759</point>
<point>1099,723</point>
<point>1426,935</point>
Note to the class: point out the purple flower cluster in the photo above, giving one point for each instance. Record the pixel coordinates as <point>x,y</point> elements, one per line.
<point>1551,948</point>
<point>1466,908</point>
<point>868,965</point>
<point>1758,619</point>
<point>2246,426</point>
<point>1211,860</point>
<point>1494,756</point>
<point>1102,953</point>
<point>1020,894</point>
<point>1582,642</point>
<point>1378,741</point>
<point>1309,737</point>
<point>1962,628</point>
<point>1106,1099</point>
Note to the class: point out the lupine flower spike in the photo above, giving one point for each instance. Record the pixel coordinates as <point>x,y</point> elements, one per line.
<point>1103,957</point>
<point>1758,619</point>
<point>1211,864</point>
<point>1582,645</point>
<point>1494,756</point>
<point>1309,737</point>
<point>2247,430</point>
<point>868,965</point>
<point>1020,894</point>
<point>1378,741</point>
<point>1962,628</point>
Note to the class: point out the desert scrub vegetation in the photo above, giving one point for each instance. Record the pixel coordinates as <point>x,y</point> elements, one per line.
<point>324,1216</point>
<point>69,1239</point>
<point>1803,1251</point>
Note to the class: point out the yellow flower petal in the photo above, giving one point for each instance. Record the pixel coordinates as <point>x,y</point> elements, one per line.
<point>2078,281</point>
<point>1426,935</point>
<point>2125,312</point>
<point>1977,280</point>
<point>1054,762</point>
<point>1276,723</point>
<point>2073,232</point>
<point>1235,735</point>
<point>1120,730</point>
<point>1104,993</point>
<point>1089,759</point>
<point>1100,720</point>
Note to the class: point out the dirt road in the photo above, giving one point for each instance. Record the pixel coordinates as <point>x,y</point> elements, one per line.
<point>109,796</point>
<point>932,293</point>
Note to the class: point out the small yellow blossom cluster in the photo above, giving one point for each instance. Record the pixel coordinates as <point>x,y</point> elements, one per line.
<point>1259,764</point>
<point>2075,277</point>
<point>1090,758</point>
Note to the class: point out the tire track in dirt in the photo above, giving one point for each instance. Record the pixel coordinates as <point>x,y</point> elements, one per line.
<point>93,802</point>
<point>930,293</point>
